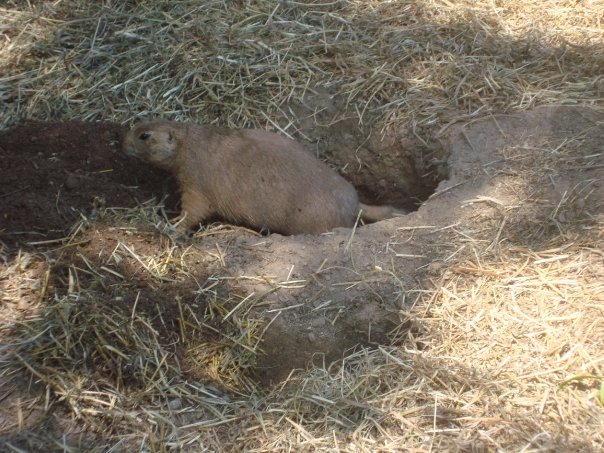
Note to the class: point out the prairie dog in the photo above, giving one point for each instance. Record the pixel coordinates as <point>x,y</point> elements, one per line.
<point>250,177</point>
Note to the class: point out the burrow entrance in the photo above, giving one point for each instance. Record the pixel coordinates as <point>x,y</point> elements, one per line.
<point>395,169</point>
<point>398,167</point>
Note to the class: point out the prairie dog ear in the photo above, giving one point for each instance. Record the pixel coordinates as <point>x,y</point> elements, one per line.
<point>171,136</point>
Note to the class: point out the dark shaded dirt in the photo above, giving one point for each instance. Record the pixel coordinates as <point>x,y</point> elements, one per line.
<point>50,173</point>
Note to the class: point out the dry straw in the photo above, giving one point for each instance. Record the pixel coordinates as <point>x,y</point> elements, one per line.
<point>513,314</point>
<point>247,63</point>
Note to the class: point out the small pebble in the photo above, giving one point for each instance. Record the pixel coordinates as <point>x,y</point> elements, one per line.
<point>318,322</point>
<point>71,182</point>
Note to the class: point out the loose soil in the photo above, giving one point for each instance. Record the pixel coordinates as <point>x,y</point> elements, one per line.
<point>52,173</point>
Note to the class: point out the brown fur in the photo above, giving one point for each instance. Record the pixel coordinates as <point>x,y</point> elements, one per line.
<point>250,177</point>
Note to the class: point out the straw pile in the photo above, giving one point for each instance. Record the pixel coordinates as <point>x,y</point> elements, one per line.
<point>506,351</point>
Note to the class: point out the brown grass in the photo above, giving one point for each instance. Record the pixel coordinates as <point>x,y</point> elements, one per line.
<point>243,65</point>
<point>510,315</point>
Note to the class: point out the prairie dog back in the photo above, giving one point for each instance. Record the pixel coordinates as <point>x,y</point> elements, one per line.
<point>246,176</point>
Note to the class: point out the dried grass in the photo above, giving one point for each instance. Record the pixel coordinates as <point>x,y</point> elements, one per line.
<point>513,314</point>
<point>247,63</point>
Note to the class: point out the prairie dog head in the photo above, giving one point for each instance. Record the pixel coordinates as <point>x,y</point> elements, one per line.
<point>155,142</point>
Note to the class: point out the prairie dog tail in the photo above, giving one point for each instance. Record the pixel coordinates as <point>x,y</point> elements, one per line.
<point>370,213</point>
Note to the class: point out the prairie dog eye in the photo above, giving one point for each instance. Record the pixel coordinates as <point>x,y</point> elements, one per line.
<point>144,136</point>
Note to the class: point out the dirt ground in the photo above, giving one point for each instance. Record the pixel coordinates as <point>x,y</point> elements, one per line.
<point>473,323</point>
<point>54,174</point>
<point>311,298</point>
